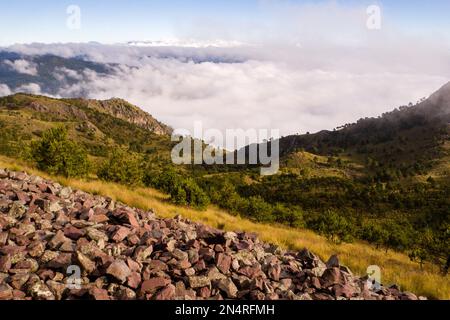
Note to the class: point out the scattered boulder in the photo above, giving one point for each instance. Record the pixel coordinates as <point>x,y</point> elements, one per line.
<point>228,287</point>
<point>119,270</point>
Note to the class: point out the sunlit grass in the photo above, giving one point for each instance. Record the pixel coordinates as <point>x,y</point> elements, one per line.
<point>396,267</point>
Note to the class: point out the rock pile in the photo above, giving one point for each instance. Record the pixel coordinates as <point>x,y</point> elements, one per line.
<point>58,243</point>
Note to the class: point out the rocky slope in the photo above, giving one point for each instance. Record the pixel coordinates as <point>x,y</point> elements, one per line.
<point>124,110</point>
<point>49,232</point>
<point>83,110</point>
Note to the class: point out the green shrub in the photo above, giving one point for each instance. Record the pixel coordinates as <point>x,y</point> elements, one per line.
<point>334,226</point>
<point>183,191</point>
<point>56,154</point>
<point>288,215</point>
<point>375,233</point>
<point>122,166</point>
<point>187,192</point>
<point>165,180</point>
<point>258,209</point>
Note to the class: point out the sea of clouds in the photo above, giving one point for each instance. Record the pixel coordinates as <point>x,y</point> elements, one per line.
<point>306,73</point>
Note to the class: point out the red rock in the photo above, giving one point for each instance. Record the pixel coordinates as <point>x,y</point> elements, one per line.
<point>157,265</point>
<point>6,292</point>
<point>184,264</point>
<point>125,293</point>
<point>315,283</point>
<point>346,290</point>
<point>133,265</point>
<point>330,277</point>
<point>167,293</point>
<point>12,250</point>
<point>129,218</point>
<point>119,270</point>
<point>200,265</point>
<point>120,234</point>
<point>133,239</point>
<point>27,264</point>
<point>62,218</point>
<point>86,214</point>
<point>207,254</point>
<point>408,296</point>
<point>244,245</point>
<point>333,262</point>
<point>87,264</point>
<point>63,260</point>
<point>73,232</point>
<point>250,272</point>
<point>99,218</point>
<point>223,262</point>
<point>57,240</point>
<point>204,292</point>
<point>142,253</point>
<point>322,296</point>
<point>228,287</point>
<point>43,187</point>
<point>45,274</point>
<point>5,263</point>
<point>199,281</point>
<point>18,295</point>
<point>3,237</point>
<point>18,280</point>
<point>88,203</point>
<point>36,249</point>
<point>134,280</point>
<point>40,291</point>
<point>22,197</point>
<point>99,294</point>
<point>274,271</point>
<point>257,295</point>
<point>153,284</point>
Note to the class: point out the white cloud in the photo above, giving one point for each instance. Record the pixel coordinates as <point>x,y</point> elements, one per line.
<point>62,73</point>
<point>32,88</point>
<point>22,66</point>
<point>4,90</point>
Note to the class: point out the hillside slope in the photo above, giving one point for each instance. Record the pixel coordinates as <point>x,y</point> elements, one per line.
<point>407,138</point>
<point>126,253</point>
<point>395,267</point>
<point>95,124</point>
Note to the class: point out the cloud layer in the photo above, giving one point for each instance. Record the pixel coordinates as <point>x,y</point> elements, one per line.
<point>305,68</point>
<point>255,94</point>
<point>22,66</point>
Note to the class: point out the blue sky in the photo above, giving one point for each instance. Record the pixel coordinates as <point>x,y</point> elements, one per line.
<point>24,21</point>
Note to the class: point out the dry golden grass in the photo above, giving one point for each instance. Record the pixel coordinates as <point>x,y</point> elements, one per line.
<point>396,267</point>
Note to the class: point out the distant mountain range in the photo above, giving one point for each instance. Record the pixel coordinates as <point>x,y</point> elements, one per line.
<point>187,43</point>
<point>50,73</point>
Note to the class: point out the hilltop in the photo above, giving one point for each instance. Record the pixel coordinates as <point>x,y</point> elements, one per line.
<point>93,123</point>
<point>405,141</point>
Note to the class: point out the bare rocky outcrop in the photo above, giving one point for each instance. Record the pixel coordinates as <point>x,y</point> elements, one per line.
<point>124,110</point>
<point>49,232</point>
